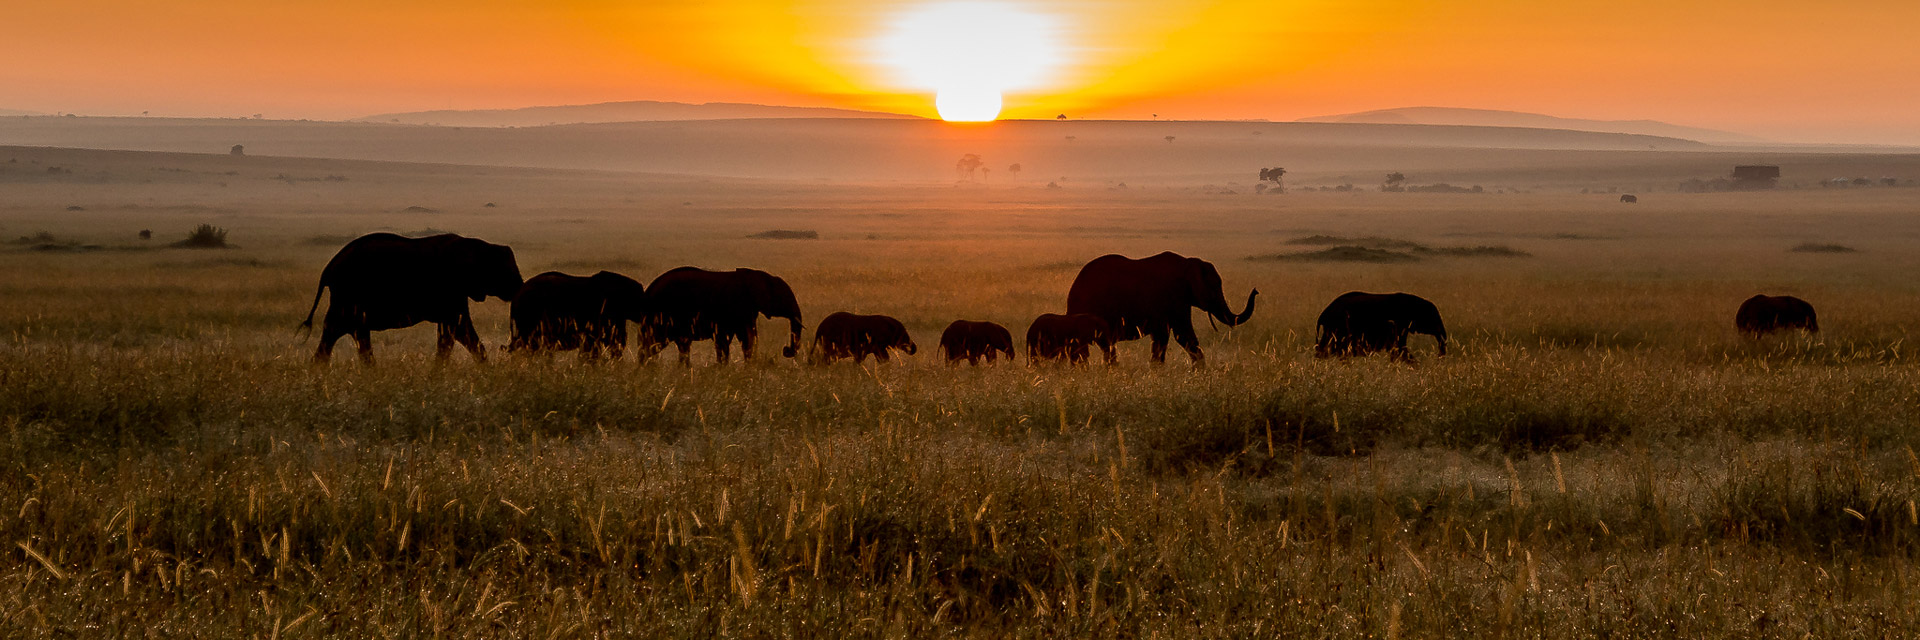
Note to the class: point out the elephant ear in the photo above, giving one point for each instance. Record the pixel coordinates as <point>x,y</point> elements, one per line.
<point>760,288</point>
<point>1197,285</point>
<point>464,261</point>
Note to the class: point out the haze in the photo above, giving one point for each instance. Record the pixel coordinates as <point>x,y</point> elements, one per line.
<point>1795,72</point>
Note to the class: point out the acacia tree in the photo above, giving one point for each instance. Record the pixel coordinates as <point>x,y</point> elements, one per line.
<point>969,164</point>
<point>1393,182</point>
<point>1014,169</point>
<point>1273,175</point>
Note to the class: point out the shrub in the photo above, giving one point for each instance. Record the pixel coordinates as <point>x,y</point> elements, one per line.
<point>205,236</point>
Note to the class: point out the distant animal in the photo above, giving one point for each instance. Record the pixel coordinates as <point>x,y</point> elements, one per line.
<point>1630,199</point>
<point>556,311</point>
<point>970,341</point>
<point>385,281</point>
<point>1054,336</point>
<point>146,234</point>
<point>691,304</point>
<point>1153,297</point>
<point>847,335</point>
<point>1357,324</point>
<point>1761,315</point>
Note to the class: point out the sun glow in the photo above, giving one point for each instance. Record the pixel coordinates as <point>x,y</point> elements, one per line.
<point>969,53</point>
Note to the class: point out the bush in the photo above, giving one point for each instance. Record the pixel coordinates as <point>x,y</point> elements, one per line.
<point>205,236</point>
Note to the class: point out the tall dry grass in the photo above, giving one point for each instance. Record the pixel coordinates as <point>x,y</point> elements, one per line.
<point>1602,458</point>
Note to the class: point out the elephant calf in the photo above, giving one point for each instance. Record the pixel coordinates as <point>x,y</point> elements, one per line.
<point>1054,337</point>
<point>1359,323</point>
<point>970,341</point>
<point>1761,315</point>
<point>590,313</point>
<point>847,335</point>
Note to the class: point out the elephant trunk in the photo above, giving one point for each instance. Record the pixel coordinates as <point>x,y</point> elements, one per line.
<point>1442,336</point>
<point>793,342</point>
<point>1226,316</point>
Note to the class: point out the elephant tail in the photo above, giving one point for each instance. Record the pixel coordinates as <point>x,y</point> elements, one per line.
<point>307,325</point>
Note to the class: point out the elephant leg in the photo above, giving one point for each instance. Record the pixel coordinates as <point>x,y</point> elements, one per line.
<point>1184,335</point>
<point>974,359</point>
<point>880,355</point>
<point>464,333</point>
<point>329,334</point>
<point>364,338</point>
<point>746,344</point>
<point>1159,337</point>
<point>722,347</point>
<point>686,347</point>
<point>444,346</point>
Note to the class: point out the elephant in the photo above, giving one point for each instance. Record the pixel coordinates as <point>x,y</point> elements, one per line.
<point>970,341</point>
<point>691,304</point>
<point>385,281</point>
<point>1054,336</point>
<point>1629,199</point>
<point>847,335</point>
<point>1359,323</point>
<point>565,312</point>
<point>1151,296</point>
<point>1762,314</point>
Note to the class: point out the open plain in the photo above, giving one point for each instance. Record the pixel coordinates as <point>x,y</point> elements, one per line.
<point>1601,455</point>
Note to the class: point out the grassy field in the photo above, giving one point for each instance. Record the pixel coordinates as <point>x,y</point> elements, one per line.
<point>1601,457</point>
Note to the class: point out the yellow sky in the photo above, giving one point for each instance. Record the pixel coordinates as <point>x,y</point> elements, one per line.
<point>1795,71</point>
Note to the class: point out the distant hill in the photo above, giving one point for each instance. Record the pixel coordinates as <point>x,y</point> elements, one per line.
<point>16,112</point>
<point>634,111</point>
<point>1491,118</point>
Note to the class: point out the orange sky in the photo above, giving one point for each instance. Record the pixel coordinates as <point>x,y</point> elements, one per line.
<point>1798,71</point>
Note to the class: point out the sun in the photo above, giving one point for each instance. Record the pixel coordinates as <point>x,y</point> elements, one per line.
<point>969,53</point>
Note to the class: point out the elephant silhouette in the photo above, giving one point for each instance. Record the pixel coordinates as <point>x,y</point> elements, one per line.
<point>385,281</point>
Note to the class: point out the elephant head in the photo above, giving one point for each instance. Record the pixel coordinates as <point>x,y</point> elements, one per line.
<point>1208,294</point>
<point>486,269</point>
<point>1424,318</point>
<point>894,335</point>
<point>774,299</point>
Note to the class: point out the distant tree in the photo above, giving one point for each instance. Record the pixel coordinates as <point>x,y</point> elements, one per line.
<point>1394,181</point>
<point>985,172</point>
<point>1014,169</point>
<point>969,164</point>
<point>1060,117</point>
<point>238,150</point>
<point>1169,139</point>
<point>1273,175</point>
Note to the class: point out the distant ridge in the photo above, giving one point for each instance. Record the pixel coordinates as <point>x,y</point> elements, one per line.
<point>1493,118</point>
<point>17,112</point>
<point>633,111</point>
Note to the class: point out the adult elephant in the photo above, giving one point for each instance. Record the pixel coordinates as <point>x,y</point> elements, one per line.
<point>385,281</point>
<point>692,304</point>
<point>1152,297</point>
<point>557,311</point>
<point>1761,315</point>
<point>1357,323</point>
